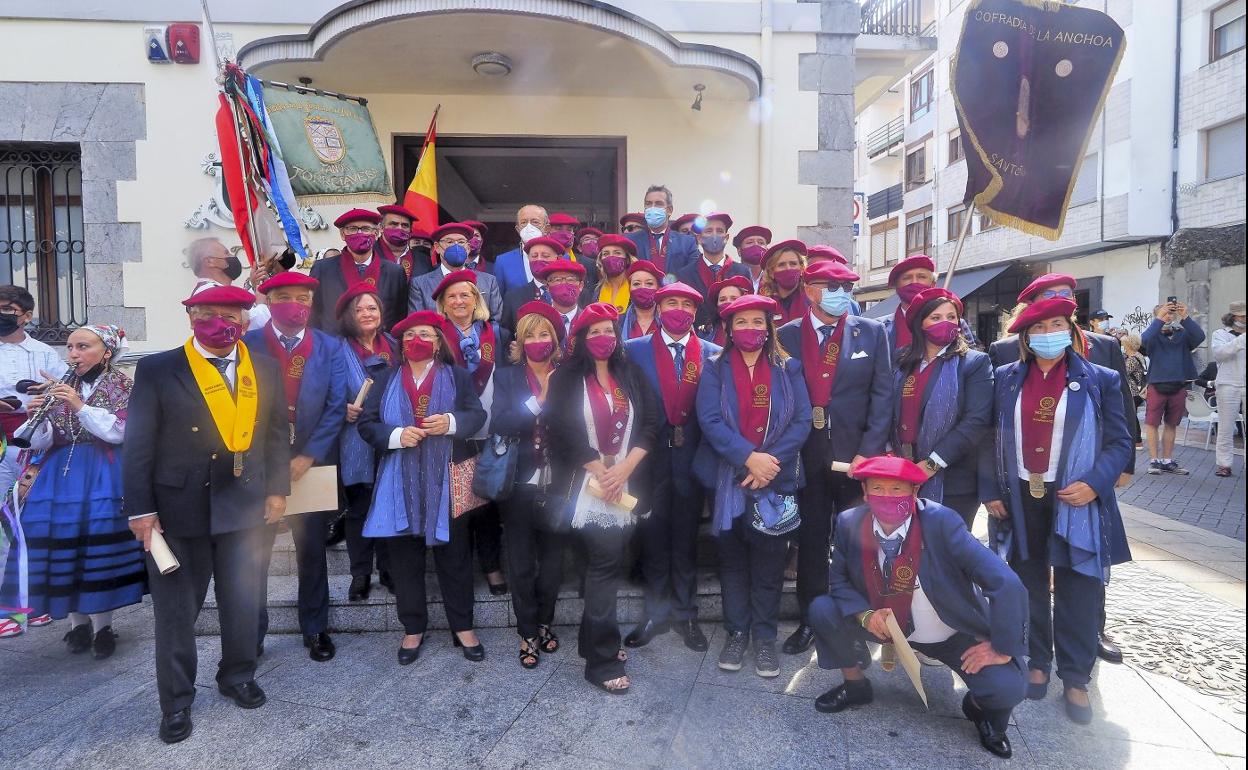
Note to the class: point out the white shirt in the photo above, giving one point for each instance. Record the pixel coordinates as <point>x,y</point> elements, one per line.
<point>231,370</point>
<point>816,322</point>
<point>928,627</point>
<point>26,360</point>
<point>669,340</point>
<point>278,333</point>
<point>1055,446</point>
<point>724,262</point>
<point>404,371</point>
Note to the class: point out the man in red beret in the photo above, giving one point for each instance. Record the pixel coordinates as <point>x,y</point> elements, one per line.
<point>357,263</point>
<point>672,359</point>
<point>658,242</point>
<point>913,561</point>
<point>315,379</point>
<point>715,265</point>
<point>565,283</point>
<point>475,244</point>
<point>395,243</point>
<point>845,360</point>
<point>632,222</point>
<point>684,223</point>
<point>539,252</point>
<point>751,244</point>
<point>586,243</point>
<point>206,464</point>
<point>451,250</point>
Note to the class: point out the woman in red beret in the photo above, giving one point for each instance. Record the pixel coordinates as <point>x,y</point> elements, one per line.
<point>720,295</point>
<point>417,418</point>
<point>754,411</point>
<point>1061,443</point>
<point>534,549</point>
<point>602,420</point>
<point>782,279</point>
<point>615,253</point>
<point>644,281</point>
<point>367,352</point>
<point>942,402</point>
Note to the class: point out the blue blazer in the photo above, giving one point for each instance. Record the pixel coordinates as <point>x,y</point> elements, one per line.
<point>971,589</point>
<point>681,252</point>
<point>511,418</point>
<point>509,270</point>
<point>692,276</point>
<point>1089,386</point>
<point>860,418</point>
<point>721,444</point>
<point>322,407</point>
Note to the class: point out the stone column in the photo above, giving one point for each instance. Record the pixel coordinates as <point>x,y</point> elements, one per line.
<point>830,72</point>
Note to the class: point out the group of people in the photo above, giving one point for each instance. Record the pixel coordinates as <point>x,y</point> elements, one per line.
<point>593,391</point>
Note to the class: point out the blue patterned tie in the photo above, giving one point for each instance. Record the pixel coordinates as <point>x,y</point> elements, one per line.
<point>680,358</point>
<point>223,366</point>
<point>288,342</point>
<point>545,295</point>
<point>360,267</point>
<point>715,272</point>
<point>892,549</point>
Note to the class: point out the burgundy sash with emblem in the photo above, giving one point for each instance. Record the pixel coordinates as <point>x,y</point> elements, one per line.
<point>819,367</point>
<point>704,272</point>
<point>680,391</point>
<point>404,261</point>
<point>381,348</point>
<point>610,414</point>
<point>899,592</point>
<point>539,429</point>
<point>1038,408</point>
<point>488,349</point>
<point>658,248</point>
<point>901,329</point>
<point>372,273</point>
<point>753,396</point>
<point>912,390</point>
<point>292,365</point>
<point>420,394</point>
<point>792,306</point>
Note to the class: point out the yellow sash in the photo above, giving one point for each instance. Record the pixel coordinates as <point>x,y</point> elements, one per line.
<point>234,420</point>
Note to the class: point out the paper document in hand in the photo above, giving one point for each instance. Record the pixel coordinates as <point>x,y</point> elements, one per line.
<point>906,655</point>
<point>316,491</point>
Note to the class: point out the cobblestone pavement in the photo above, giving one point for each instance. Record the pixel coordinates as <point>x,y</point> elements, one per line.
<point>1201,499</point>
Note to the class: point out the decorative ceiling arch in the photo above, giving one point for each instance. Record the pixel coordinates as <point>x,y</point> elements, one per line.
<point>360,14</point>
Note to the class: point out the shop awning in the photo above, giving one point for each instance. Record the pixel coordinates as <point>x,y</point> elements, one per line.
<point>964,284</point>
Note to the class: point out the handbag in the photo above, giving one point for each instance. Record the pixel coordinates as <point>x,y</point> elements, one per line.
<point>462,497</point>
<point>495,477</point>
<point>781,510</point>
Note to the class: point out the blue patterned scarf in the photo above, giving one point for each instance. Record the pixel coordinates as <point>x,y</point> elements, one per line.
<point>1079,526</point>
<point>355,455</point>
<point>940,413</point>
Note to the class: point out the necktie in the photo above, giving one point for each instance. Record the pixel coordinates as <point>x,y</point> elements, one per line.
<point>892,549</point>
<point>360,267</point>
<point>715,272</point>
<point>287,342</point>
<point>545,295</point>
<point>825,333</point>
<point>223,366</point>
<point>680,358</point>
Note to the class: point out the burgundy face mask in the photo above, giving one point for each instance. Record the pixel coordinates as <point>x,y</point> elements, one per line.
<point>942,332</point>
<point>614,266</point>
<point>891,510</point>
<point>753,255</point>
<point>788,278</point>
<point>360,242</point>
<point>396,237</point>
<point>749,340</point>
<point>216,332</point>
<point>676,321</point>
<point>539,350</point>
<point>590,248</point>
<point>565,294</point>
<point>643,297</point>
<point>562,237</point>
<point>290,315</point>
<point>417,349</point>
<point>908,292</point>
<point>601,347</point>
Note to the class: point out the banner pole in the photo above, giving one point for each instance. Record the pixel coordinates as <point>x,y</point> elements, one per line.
<point>957,252</point>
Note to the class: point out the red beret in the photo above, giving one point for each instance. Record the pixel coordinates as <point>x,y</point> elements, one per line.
<point>1046,281</point>
<point>722,217</point>
<point>678,289</point>
<point>420,232</point>
<point>820,251</point>
<point>790,245</point>
<point>209,293</point>
<point>451,227</point>
<point>1057,307</point>
<point>358,290</point>
<point>634,217</point>
<point>457,276</point>
<point>623,242</point>
<point>890,467</point>
<point>563,266</point>
<point>645,266</point>
<point>750,302</point>
<point>584,231</point>
<point>908,264</point>
<point>746,232</point>
<point>929,294</point>
<point>396,209</point>
<point>739,281</point>
<point>545,311</point>
<point>357,215</point>
<point>419,318</point>
<point>592,314</point>
<point>480,227</point>
<point>562,219</point>
<point>828,270</point>
<point>549,243</point>
<point>683,220</point>
<point>288,278</point>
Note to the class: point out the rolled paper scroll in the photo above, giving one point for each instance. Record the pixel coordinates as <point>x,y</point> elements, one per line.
<point>166,562</point>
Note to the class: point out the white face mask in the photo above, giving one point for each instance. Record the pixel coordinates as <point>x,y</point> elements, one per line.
<point>529,232</point>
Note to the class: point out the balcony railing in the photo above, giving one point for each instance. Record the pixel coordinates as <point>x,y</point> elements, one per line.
<point>885,202</point>
<point>912,18</point>
<point>886,137</point>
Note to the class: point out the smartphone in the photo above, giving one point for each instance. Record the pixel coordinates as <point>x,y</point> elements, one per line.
<point>1171,300</point>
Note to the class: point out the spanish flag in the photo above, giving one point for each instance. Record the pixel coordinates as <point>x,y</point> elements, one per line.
<point>422,194</point>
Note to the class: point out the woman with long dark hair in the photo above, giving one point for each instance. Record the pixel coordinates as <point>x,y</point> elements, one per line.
<point>942,402</point>
<point>602,420</point>
<point>720,295</point>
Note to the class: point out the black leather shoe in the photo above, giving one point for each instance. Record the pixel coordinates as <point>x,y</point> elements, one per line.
<point>176,727</point>
<point>386,581</point>
<point>498,589</point>
<point>320,646</point>
<point>360,587</point>
<point>1107,649</point>
<point>408,656</point>
<point>645,632</point>
<point>105,643</point>
<point>247,695</point>
<point>1080,715</point>
<point>799,641</point>
<point>475,653</point>
<point>996,742</point>
<point>78,638</point>
<point>856,693</point>
<point>336,532</point>
<point>691,632</point>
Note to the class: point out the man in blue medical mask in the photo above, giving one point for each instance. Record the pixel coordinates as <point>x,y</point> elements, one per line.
<point>451,249</point>
<point>714,265</point>
<point>670,250</point>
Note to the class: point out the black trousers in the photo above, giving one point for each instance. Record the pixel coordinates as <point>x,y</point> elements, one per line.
<point>362,551</point>
<point>825,495</point>
<point>751,573</point>
<point>454,566</point>
<point>669,551</point>
<point>996,689</point>
<point>308,531</point>
<point>1068,620</point>
<point>178,597</point>
<point>966,506</point>
<point>599,637</point>
<point>534,561</point>
<point>487,537</point>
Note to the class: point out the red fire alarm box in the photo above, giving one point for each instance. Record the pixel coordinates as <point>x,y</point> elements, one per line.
<point>183,40</point>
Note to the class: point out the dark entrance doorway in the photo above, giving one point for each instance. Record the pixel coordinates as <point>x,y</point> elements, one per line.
<point>487,178</point>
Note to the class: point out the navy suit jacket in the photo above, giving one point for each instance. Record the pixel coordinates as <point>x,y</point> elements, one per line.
<point>511,418</point>
<point>681,252</point>
<point>971,589</point>
<point>860,411</point>
<point>692,276</point>
<point>467,410</point>
<point>391,287</point>
<point>509,270</point>
<point>420,292</point>
<point>322,408</point>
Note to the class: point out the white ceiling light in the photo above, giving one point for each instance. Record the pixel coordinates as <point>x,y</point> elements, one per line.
<point>491,64</point>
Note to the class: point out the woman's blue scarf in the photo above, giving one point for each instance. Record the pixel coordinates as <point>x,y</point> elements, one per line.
<point>355,455</point>
<point>940,413</point>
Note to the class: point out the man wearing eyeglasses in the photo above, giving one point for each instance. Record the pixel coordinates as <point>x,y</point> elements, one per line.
<point>358,264</point>
<point>910,277</point>
<point>451,250</point>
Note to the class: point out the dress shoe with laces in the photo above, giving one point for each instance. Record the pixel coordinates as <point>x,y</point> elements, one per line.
<point>645,632</point>
<point>990,738</point>
<point>692,634</point>
<point>176,727</point>
<point>849,693</point>
<point>320,646</point>
<point>475,653</point>
<point>799,641</point>
<point>247,695</point>
<point>360,587</point>
<point>1107,649</point>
